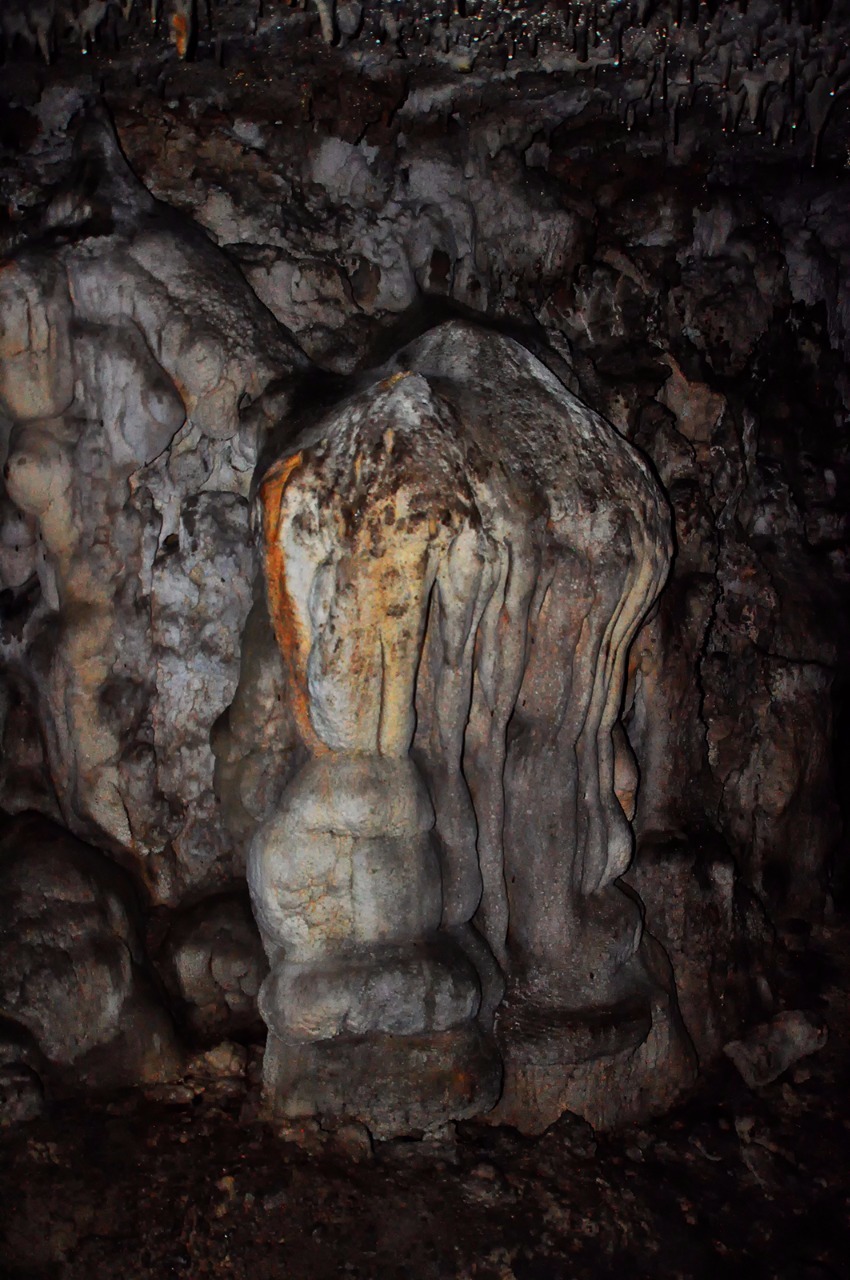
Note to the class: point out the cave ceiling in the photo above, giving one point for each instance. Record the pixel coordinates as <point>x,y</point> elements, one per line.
<point>741,84</point>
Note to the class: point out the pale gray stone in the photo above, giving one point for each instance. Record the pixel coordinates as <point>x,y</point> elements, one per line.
<point>131,351</point>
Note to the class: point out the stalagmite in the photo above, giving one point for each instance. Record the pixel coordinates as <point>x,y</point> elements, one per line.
<point>455,575</point>
<point>819,101</point>
<point>390,664</point>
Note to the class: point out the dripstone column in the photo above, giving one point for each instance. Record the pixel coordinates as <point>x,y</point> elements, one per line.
<point>371,1006</point>
<point>457,559</point>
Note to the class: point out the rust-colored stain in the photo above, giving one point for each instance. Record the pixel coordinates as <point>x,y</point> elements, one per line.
<point>180,27</point>
<point>183,393</point>
<point>281,608</point>
<point>462,1084</point>
<point>396,377</point>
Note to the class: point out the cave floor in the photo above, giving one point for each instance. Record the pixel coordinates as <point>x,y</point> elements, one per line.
<point>737,1182</point>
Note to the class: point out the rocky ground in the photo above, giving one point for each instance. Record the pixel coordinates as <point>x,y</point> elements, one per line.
<point>737,1182</point>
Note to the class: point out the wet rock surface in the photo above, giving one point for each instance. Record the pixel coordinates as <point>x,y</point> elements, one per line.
<point>744,1181</point>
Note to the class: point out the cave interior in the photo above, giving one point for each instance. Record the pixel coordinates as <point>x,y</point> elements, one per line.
<point>424,703</point>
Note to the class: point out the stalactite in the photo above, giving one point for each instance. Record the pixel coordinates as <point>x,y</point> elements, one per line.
<point>705,36</point>
<point>183,26</point>
<point>819,101</point>
<point>754,87</point>
<point>581,42</point>
<point>775,117</point>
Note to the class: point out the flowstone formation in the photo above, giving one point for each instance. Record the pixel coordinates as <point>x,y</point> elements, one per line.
<point>457,558</point>
<point>133,362</point>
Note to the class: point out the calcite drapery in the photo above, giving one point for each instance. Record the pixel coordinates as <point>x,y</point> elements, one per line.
<point>132,357</point>
<point>457,558</point>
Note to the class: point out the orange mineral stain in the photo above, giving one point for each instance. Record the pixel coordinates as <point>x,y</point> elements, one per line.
<point>293,645</point>
<point>394,378</point>
<point>180,27</point>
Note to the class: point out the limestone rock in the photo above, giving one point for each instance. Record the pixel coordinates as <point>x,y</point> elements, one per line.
<point>353,1142</point>
<point>702,310</point>
<point>22,1071</point>
<point>133,361</point>
<point>254,741</point>
<point>732,279</point>
<point>731,681</point>
<point>21,1095</point>
<point>630,257</point>
<point>613,1064</point>
<point>713,930</point>
<point>457,558</point>
<point>71,967</point>
<point>212,963</point>
<point>224,1061</point>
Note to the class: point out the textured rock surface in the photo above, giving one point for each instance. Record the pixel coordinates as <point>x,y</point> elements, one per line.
<point>22,1071</point>
<point>212,963</point>
<point>753,603</point>
<point>71,964</point>
<point>772,1047</point>
<point>458,557</point>
<point>633,190</point>
<point>129,349</point>
<point>714,931</point>
<point>627,265</point>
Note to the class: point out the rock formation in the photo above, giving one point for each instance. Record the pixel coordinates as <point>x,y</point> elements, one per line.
<point>457,559</point>
<point>130,352</point>
<point>457,555</point>
<point>610,184</point>
<point>212,964</point>
<point>72,966</point>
